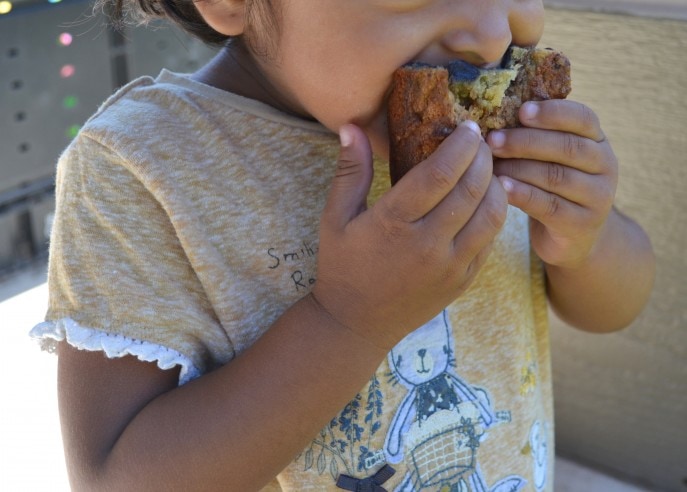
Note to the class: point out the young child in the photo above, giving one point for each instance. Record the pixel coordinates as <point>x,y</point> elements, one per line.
<point>194,213</point>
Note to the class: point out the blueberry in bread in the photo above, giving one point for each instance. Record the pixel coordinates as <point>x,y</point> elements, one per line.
<point>427,102</point>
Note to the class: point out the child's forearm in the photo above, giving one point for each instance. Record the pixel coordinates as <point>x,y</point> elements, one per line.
<point>232,429</point>
<point>612,287</point>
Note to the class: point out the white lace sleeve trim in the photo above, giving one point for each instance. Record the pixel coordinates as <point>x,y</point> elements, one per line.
<point>114,345</point>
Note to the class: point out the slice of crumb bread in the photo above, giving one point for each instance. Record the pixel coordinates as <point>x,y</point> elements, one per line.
<point>427,102</point>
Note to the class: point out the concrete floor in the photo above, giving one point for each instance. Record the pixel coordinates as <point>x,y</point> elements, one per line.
<point>30,442</point>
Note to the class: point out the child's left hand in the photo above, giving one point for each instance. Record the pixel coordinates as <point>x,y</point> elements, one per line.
<point>558,168</point>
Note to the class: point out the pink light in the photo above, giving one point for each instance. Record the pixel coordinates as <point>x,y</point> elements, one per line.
<point>65,39</point>
<point>67,71</point>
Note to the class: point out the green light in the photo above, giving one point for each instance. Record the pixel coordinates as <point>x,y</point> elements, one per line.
<point>70,102</point>
<point>72,131</point>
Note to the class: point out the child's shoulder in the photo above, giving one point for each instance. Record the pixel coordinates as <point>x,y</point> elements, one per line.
<point>153,113</point>
<point>136,106</point>
<point>175,104</point>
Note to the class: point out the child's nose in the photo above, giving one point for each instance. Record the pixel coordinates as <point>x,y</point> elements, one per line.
<point>484,42</point>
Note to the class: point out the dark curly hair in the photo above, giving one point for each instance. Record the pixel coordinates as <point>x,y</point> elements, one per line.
<point>184,14</point>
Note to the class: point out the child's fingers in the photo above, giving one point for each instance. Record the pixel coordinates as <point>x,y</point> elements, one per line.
<point>471,243</point>
<point>347,196</point>
<point>419,191</point>
<point>455,210</point>
<point>562,115</point>
<point>552,146</point>
<point>569,183</point>
<point>547,208</point>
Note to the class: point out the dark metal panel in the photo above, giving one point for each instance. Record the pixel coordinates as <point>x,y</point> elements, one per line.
<point>58,63</point>
<point>54,72</point>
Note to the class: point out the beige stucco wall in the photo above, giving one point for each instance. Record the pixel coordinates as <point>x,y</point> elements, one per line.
<point>662,9</point>
<point>621,399</point>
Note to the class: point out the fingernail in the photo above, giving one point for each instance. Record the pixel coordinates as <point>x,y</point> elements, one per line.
<point>345,136</point>
<point>497,139</point>
<point>506,183</point>
<point>529,111</point>
<point>472,126</point>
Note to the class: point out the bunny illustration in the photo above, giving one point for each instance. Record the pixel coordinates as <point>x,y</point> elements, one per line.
<point>442,420</point>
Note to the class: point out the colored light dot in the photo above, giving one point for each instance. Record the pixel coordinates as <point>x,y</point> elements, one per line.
<point>72,131</point>
<point>67,71</point>
<point>5,7</point>
<point>70,102</point>
<point>54,1</point>
<point>65,39</point>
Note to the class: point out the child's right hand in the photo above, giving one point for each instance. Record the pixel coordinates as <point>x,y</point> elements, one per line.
<point>385,271</point>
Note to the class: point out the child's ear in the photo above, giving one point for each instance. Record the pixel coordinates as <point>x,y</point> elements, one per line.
<point>224,16</point>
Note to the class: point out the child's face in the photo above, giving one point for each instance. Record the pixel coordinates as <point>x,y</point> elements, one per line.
<point>335,58</point>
